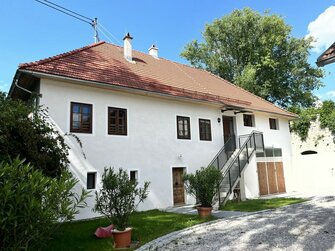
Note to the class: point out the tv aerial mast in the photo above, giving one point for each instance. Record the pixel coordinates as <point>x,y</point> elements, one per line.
<point>93,22</point>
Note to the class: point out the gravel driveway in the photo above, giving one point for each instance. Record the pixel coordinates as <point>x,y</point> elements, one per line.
<point>305,226</point>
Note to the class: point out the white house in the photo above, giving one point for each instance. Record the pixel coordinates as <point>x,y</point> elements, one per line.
<point>157,119</point>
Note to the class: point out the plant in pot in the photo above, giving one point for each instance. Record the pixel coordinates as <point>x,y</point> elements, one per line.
<point>203,186</point>
<point>117,199</point>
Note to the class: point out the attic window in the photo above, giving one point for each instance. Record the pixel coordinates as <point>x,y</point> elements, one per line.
<point>308,152</point>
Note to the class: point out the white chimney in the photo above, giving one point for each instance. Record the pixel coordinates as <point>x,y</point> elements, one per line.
<point>153,51</point>
<point>127,48</point>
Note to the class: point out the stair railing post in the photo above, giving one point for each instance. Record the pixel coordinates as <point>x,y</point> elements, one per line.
<point>246,146</point>
<point>239,165</point>
<point>229,180</point>
<point>254,141</point>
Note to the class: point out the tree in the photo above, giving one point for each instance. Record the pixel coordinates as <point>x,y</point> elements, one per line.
<point>324,112</point>
<point>258,53</point>
<point>119,197</point>
<point>26,132</point>
<point>32,204</point>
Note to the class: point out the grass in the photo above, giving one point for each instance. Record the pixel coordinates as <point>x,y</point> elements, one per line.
<point>146,225</point>
<point>260,204</point>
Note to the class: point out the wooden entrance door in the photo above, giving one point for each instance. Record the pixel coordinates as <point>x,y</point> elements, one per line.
<point>271,178</point>
<point>178,186</point>
<point>228,133</point>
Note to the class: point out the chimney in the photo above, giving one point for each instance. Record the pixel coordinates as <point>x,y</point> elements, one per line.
<point>127,48</point>
<point>153,51</point>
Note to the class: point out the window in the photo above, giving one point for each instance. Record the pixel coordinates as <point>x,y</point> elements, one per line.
<point>81,118</point>
<point>117,121</point>
<point>183,127</point>
<point>133,175</point>
<point>205,129</point>
<point>270,152</point>
<point>273,124</point>
<point>91,177</point>
<point>308,152</point>
<point>249,120</point>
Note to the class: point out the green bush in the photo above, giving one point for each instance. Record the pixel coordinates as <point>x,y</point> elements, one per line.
<point>118,196</point>
<point>25,132</point>
<point>203,184</point>
<point>31,204</point>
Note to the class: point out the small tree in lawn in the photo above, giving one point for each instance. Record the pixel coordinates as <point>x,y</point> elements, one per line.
<point>119,197</point>
<point>203,185</point>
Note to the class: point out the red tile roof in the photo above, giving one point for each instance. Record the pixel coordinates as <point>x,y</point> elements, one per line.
<point>104,63</point>
<point>327,57</point>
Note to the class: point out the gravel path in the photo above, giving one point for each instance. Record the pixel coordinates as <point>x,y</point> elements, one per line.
<point>305,226</point>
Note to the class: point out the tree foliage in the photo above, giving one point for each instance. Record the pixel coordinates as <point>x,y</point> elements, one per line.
<point>325,113</point>
<point>32,204</point>
<point>25,132</point>
<point>258,53</point>
<point>203,184</point>
<point>119,197</point>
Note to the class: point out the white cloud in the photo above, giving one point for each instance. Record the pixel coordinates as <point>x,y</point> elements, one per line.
<point>331,94</point>
<point>322,30</point>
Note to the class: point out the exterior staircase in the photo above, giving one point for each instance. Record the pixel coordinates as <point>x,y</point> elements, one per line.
<point>232,160</point>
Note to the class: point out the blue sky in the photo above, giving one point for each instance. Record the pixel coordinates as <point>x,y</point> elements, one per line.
<point>31,31</point>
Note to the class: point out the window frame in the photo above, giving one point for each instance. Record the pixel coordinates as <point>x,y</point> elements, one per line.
<point>252,116</point>
<point>80,130</point>
<point>94,180</point>
<point>188,127</point>
<point>276,123</point>
<point>118,132</point>
<point>204,136</point>
<point>136,174</point>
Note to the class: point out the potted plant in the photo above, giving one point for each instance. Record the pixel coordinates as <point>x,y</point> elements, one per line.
<point>203,186</point>
<point>117,199</point>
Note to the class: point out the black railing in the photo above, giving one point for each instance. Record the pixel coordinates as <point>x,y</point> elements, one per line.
<point>248,144</point>
<point>224,154</point>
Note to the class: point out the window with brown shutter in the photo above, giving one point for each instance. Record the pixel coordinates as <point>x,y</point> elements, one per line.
<point>205,129</point>
<point>81,118</point>
<point>183,127</point>
<point>117,121</point>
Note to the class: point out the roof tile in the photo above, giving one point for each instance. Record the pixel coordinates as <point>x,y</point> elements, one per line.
<point>104,62</point>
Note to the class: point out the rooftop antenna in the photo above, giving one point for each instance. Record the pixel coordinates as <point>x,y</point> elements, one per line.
<point>95,27</point>
<point>90,21</point>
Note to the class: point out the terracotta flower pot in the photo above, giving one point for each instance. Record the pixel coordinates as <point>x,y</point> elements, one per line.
<point>205,212</point>
<point>122,239</point>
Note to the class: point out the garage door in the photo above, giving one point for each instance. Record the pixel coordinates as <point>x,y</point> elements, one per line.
<point>271,178</point>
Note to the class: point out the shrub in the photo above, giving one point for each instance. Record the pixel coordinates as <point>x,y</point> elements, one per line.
<point>25,132</point>
<point>203,184</point>
<point>31,204</point>
<point>119,197</point>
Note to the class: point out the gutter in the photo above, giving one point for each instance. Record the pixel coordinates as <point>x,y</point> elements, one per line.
<point>137,91</point>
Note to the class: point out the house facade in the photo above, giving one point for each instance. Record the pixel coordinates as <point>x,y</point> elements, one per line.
<point>153,117</point>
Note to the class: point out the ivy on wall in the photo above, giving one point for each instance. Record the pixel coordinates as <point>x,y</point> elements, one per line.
<point>326,114</point>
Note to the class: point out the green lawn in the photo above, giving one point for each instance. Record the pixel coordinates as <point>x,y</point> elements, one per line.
<point>260,204</point>
<point>146,225</point>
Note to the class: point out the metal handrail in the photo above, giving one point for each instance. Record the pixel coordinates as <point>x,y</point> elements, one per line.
<point>232,183</point>
<point>238,154</point>
<point>222,149</point>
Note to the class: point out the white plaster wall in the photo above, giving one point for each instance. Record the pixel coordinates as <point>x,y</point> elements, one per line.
<point>272,138</point>
<point>151,145</point>
<point>314,174</point>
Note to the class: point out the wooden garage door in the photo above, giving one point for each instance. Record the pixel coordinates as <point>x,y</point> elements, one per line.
<point>271,178</point>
